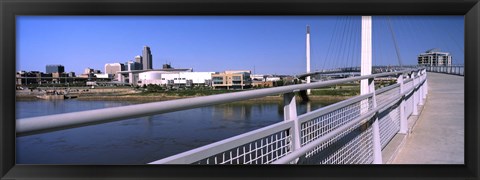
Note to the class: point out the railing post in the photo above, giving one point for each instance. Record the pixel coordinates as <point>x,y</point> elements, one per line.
<point>420,88</point>
<point>290,114</point>
<point>415,94</point>
<point>377,146</point>
<point>403,118</point>
<point>425,86</point>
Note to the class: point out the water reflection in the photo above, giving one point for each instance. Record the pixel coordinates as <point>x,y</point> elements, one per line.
<point>139,140</point>
<point>233,111</point>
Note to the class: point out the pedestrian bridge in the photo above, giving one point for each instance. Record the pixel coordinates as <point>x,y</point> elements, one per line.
<point>438,136</point>
<point>375,127</point>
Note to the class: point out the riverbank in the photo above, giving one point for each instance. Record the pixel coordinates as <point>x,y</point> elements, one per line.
<point>92,97</point>
<point>128,94</point>
<point>165,98</point>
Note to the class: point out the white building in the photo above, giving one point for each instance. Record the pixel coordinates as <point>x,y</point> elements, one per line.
<point>103,76</point>
<point>273,78</point>
<point>434,57</point>
<point>174,78</point>
<point>257,77</point>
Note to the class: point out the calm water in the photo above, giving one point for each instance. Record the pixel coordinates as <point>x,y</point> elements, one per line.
<point>139,140</point>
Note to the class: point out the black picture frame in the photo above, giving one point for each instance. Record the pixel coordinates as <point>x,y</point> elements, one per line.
<point>10,8</point>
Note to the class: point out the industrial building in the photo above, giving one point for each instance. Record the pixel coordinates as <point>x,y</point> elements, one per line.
<point>434,57</point>
<point>232,80</point>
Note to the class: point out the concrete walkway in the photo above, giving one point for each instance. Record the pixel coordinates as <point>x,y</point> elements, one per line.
<point>438,135</point>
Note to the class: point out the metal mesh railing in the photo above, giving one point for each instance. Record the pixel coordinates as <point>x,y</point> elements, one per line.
<point>261,151</point>
<point>389,122</point>
<point>384,97</point>
<point>353,146</point>
<point>331,151</point>
<point>341,133</point>
<point>455,69</point>
<point>313,129</point>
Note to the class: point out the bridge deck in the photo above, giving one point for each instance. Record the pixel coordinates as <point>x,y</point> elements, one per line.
<point>438,135</point>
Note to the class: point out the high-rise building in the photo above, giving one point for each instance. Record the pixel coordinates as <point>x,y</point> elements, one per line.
<point>133,65</point>
<point>139,60</point>
<point>113,68</point>
<point>434,57</point>
<point>147,58</point>
<point>55,68</point>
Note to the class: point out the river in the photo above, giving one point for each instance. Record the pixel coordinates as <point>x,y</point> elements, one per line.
<point>140,140</point>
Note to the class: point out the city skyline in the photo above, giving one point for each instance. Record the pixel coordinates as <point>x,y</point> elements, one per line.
<point>265,44</point>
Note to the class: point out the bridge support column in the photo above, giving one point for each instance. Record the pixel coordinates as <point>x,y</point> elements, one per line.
<point>290,114</point>
<point>367,85</point>
<point>415,94</point>
<point>308,57</point>
<point>403,117</point>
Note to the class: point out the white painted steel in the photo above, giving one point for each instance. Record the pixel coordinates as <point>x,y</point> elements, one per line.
<point>290,114</point>
<point>323,139</point>
<point>251,141</point>
<point>314,126</point>
<point>454,69</point>
<point>308,57</point>
<point>415,94</point>
<point>366,53</point>
<point>367,85</point>
<point>402,115</point>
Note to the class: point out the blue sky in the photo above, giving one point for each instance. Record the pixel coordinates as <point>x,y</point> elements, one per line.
<point>270,44</point>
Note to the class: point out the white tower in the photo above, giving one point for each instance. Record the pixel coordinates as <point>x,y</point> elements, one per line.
<point>367,85</point>
<point>308,56</point>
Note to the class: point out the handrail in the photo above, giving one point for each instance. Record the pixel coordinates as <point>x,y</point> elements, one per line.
<point>447,69</point>
<point>310,146</point>
<point>304,117</point>
<point>42,124</point>
<point>223,145</point>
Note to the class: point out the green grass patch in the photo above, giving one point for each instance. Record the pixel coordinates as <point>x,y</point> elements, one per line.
<point>335,92</point>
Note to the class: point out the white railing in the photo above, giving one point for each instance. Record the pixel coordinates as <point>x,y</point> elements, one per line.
<point>453,69</point>
<point>340,133</point>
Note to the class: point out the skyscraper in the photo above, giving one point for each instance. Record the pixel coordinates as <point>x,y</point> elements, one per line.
<point>147,58</point>
<point>139,60</point>
<point>133,65</point>
<point>55,68</point>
